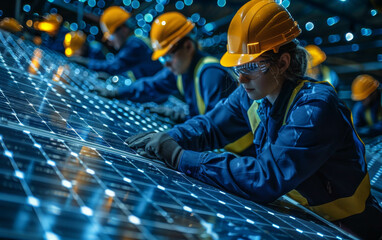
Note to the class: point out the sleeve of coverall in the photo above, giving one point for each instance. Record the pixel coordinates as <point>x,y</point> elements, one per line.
<point>214,86</point>
<point>156,88</point>
<point>222,125</point>
<point>125,59</point>
<point>302,146</point>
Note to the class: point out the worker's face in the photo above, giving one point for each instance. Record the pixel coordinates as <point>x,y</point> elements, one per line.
<point>261,78</point>
<point>179,58</point>
<point>118,38</point>
<point>370,99</point>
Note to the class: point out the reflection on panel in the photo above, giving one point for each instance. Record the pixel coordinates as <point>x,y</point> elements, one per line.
<point>66,173</point>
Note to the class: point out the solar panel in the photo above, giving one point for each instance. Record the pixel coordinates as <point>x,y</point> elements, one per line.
<point>66,173</point>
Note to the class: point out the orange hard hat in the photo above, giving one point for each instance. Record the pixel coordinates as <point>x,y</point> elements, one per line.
<point>73,41</point>
<point>362,86</point>
<point>10,25</point>
<point>111,19</point>
<point>317,56</point>
<point>258,26</point>
<point>166,31</point>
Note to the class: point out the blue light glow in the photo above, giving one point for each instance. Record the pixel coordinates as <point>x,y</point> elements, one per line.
<point>188,2</point>
<point>221,3</point>
<point>354,47</point>
<point>349,36</point>
<point>148,17</point>
<point>195,17</point>
<point>202,21</point>
<point>73,26</point>
<point>379,57</point>
<point>309,26</point>
<point>366,31</point>
<point>334,38</point>
<point>135,4</point>
<point>209,27</point>
<point>101,4</point>
<point>373,12</point>
<point>138,32</point>
<point>285,3</point>
<point>27,8</point>
<point>126,2</point>
<point>159,7</point>
<point>92,3</point>
<point>317,40</point>
<point>332,20</point>
<point>179,5</point>
<point>94,30</point>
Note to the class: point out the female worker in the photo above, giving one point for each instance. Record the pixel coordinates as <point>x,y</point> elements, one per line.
<point>296,151</point>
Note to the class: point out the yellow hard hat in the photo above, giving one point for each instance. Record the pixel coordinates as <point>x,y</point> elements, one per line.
<point>362,86</point>
<point>317,56</point>
<point>10,25</point>
<point>166,31</point>
<point>50,24</point>
<point>73,41</point>
<point>258,26</point>
<point>111,19</point>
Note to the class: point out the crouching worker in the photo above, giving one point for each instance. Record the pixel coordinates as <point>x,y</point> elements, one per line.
<point>295,152</point>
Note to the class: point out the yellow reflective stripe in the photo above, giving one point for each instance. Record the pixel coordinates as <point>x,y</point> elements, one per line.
<point>326,74</point>
<point>342,207</point>
<point>253,117</point>
<point>131,75</point>
<point>199,65</point>
<point>240,144</point>
<point>179,84</point>
<point>368,117</point>
<point>294,93</point>
<point>146,41</point>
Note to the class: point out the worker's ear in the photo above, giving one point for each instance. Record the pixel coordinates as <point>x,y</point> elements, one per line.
<point>189,45</point>
<point>284,62</point>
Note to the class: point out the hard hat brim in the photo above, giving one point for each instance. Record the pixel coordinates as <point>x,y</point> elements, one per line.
<point>236,59</point>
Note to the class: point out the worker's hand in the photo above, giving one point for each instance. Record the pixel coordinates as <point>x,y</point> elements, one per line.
<point>104,92</point>
<point>176,116</point>
<point>157,146</point>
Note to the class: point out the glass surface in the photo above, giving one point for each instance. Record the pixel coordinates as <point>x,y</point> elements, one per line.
<point>65,172</point>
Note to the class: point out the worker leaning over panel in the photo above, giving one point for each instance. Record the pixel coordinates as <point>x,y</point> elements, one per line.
<point>367,111</point>
<point>11,25</point>
<point>296,152</point>
<point>54,32</point>
<point>317,70</point>
<point>76,45</point>
<point>134,54</point>
<point>197,76</point>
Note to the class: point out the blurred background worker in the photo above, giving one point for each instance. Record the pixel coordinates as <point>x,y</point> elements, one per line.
<point>296,151</point>
<point>11,25</point>
<point>198,77</point>
<point>134,54</point>
<point>54,33</point>
<point>76,45</point>
<point>367,111</point>
<point>319,71</point>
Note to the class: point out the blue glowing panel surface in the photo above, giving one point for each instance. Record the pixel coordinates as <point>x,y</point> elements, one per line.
<point>66,173</point>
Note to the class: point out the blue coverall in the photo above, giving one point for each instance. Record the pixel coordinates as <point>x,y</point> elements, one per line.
<point>132,60</point>
<point>295,151</point>
<point>215,83</point>
<point>368,120</point>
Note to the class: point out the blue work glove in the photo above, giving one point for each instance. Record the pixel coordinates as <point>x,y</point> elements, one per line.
<point>157,146</point>
<point>177,116</point>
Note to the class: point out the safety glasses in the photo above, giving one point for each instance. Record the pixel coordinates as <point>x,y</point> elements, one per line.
<point>252,67</point>
<point>170,55</point>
